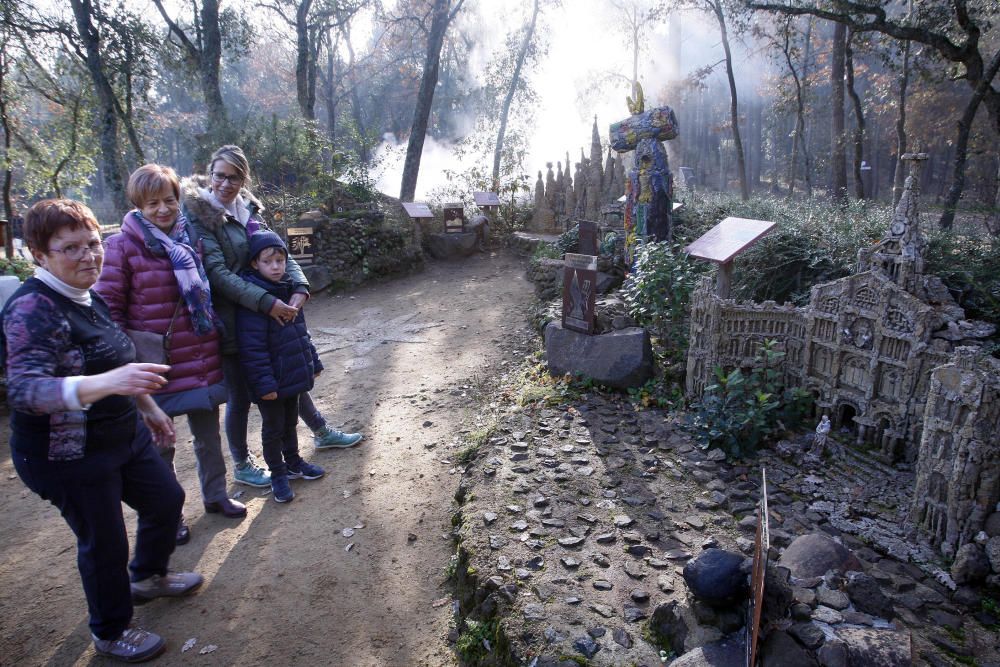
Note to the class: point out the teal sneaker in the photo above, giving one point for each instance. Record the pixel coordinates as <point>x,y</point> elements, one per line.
<point>331,438</point>
<point>252,474</point>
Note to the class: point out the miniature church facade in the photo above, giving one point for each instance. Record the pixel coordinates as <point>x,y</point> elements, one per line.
<point>881,351</point>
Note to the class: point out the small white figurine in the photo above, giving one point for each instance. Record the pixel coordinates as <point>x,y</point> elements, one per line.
<point>822,431</point>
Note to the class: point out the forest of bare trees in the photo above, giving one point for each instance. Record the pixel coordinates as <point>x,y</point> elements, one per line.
<point>90,89</point>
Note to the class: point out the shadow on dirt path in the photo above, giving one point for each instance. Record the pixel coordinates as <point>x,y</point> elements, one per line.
<point>285,585</point>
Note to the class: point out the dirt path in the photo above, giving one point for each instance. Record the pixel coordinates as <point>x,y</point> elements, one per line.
<point>281,585</point>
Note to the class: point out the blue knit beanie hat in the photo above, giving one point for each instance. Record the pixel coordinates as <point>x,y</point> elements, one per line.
<point>265,239</point>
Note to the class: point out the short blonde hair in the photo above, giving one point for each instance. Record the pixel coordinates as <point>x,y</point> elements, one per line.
<point>234,157</point>
<point>149,180</point>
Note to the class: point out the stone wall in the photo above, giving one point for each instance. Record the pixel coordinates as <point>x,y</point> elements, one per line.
<point>359,245</point>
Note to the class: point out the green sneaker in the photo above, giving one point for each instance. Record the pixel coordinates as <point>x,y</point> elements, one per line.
<point>252,474</point>
<point>331,438</point>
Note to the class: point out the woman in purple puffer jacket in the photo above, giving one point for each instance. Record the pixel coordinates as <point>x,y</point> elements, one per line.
<point>153,280</point>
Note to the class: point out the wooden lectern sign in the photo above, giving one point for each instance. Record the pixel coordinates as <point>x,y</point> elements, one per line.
<point>723,242</point>
<point>417,210</point>
<point>486,200</point>
<point>588,237</point>
<point>579,292</point>
<point>762,543</point>
<point>454,218</point>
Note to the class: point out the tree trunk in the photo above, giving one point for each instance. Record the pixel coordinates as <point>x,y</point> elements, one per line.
<point>303,51</point>
<point>425,97</point>
<point>210,65</point>
<point>838,147</point>
<point>509,97</point>
<point>859,118</point>
<point>107,115</point>
<point>900,173</point>
<point>804,139</point>
<point>8,171</point>
<point>962,144</point>
<point>734,114</point>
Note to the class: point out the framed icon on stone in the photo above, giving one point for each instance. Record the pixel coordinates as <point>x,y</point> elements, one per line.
<point>454,218</point>
<point>300,244</point>
<point>579,292</point>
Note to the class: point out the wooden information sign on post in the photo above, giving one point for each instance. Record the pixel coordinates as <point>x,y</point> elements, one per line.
<point>486,200</point>
<point>723,242</point>
<point>454,218</point>
<point>417,210</point>
<point>762,543</point>
<point>579,293</point>
<point>588,237</point>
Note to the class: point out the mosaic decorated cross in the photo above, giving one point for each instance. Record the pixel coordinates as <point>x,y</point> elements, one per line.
<point>649,190</point>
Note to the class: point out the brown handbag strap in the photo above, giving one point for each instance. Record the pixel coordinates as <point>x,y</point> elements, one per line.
<point>170,327</point>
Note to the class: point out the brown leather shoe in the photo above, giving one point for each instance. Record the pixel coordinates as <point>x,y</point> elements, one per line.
<point>233,509</point>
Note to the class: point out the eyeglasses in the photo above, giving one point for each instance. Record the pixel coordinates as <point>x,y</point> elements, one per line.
<point>233,179</point>
<point>77,252</point>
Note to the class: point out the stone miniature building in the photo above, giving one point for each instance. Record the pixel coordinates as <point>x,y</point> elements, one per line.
<point>877,349</point>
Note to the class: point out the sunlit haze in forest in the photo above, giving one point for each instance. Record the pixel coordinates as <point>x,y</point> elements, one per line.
<point>583,47</point>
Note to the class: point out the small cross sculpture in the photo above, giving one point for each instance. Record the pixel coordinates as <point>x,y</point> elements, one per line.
<point>649,190</point>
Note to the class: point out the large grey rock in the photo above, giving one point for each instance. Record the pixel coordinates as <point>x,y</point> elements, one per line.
<point>449,246</point>
<point>8,285</point>
<point>619,359</point>
<point>716,576</point>
<point>780,649</point>
<point>730,652</point>
<point>778,593</point>
<point>868,647</point>
<point>669,626</point>
<point>993,553</point>
<point>813,555</point>
<point>867,595</point>
<point>971,564</point>
<point>319,277</point>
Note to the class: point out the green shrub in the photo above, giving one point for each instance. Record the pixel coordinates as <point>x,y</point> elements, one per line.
<point>970,267</point>
<point>658,290</point>
<point>16,266</point>
<point>569,241</point>
<point>741,410</point>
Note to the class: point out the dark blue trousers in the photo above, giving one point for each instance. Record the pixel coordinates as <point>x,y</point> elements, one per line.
<point>278,436</point>
<point>89,493</point>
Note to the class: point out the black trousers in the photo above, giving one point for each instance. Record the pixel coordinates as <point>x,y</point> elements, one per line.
<point>89,493</point>
<point>278,436</point>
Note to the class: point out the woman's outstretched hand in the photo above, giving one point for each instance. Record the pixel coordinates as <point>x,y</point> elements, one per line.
<point>159,424</point>
<point>127,380</point>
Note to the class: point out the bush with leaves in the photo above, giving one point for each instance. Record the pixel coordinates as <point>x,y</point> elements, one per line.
<point>742,410</point>
<point>658,290</point>
<point>970,267</point>
<point>16,266</point>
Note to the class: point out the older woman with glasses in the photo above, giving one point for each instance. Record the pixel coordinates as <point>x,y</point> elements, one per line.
<point>226,214</point>
<point>83,427</point>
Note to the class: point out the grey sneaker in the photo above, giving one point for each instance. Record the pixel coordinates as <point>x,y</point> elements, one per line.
<point>134,645</point>
<point>252,473</point>
<point>331,438</point>
<point>172,584</point>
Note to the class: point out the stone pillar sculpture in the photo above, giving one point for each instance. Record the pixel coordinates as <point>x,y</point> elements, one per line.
<point>649,189</point>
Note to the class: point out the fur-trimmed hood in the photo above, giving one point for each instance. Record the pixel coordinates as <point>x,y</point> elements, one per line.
<point>199,204</point>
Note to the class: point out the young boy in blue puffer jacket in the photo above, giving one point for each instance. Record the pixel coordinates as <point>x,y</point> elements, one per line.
<point>280,363</point>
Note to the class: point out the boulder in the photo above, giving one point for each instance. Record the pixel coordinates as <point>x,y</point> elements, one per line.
<point>319,277</point>
<point>669,626</point>
<point>619,359</point>
<point>779,648</point>
<point>867,595</point>
<point>971,564</point>
<point>815,554</point>
<point>992,524</point>
<point>450,246</point>
<point>778,594</point>
<point>730,652</point>
<point>869,647</point>
<point>8,285</point>
<point>993,553</point>
<point>716,576</point>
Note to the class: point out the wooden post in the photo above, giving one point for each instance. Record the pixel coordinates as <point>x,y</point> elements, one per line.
<point>724,280</point>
